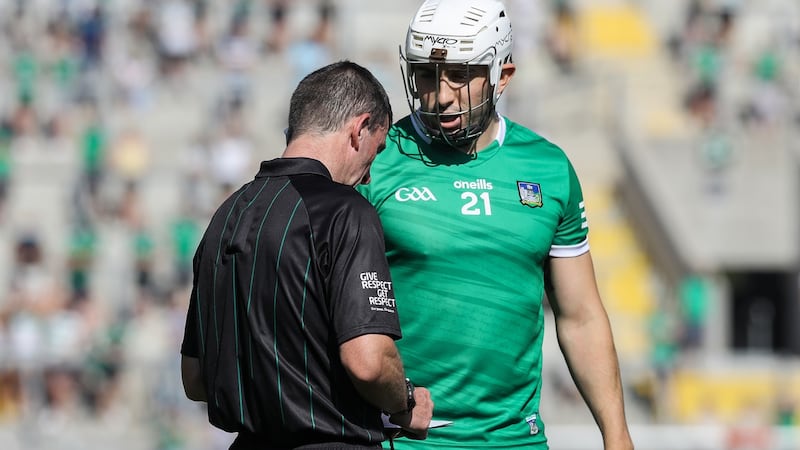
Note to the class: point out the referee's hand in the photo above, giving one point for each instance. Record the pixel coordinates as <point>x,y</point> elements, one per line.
<point>414,424</point>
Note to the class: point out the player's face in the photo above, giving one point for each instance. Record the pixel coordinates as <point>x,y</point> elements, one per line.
<point>455,94</point>
<point>373,143</point>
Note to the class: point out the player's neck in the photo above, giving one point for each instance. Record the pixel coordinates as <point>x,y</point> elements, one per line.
<point>484,140</point>
<point>488,136</point>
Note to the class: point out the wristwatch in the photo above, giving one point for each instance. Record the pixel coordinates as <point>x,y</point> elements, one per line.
<point>410,402</point>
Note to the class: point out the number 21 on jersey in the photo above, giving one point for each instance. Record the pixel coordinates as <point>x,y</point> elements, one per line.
<point>476,205</point>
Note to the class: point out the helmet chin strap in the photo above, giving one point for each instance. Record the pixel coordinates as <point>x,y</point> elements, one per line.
<point>462,139</point>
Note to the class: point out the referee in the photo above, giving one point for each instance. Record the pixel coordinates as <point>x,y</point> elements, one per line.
<point>291,324</point>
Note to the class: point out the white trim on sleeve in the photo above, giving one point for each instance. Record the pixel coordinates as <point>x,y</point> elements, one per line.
<point>569,251</point>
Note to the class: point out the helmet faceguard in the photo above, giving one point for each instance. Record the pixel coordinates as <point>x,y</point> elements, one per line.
<point>473,35</point>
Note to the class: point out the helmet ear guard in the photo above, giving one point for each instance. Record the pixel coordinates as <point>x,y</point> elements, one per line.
<point>409,82</point>
<point>496,72</point>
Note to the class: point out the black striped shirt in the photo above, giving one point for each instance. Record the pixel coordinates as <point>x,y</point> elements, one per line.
<point>291,266</point>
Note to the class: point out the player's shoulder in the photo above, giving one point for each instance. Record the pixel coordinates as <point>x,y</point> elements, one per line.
<point>518,135</point>
<point>404,130</point>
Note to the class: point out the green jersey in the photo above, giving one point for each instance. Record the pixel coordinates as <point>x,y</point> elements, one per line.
<point>467,238</point>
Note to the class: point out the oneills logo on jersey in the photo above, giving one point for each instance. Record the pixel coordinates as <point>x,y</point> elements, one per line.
<point>530,194</point>
<point>414,194</point>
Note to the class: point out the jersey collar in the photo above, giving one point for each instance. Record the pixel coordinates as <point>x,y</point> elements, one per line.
<point>292,166</point>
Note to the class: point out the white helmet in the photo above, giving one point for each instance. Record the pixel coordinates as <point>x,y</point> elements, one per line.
<point>469,32</point>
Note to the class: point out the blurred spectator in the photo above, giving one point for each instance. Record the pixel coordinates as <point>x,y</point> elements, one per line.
<point>92,28</point>
<point>176,36</point>
<point>63,62</point>
<point>561,39</point>
<point>195,180</point>
<point>62,398</point>
<point>713,147</point>
<point>10,391</point>
<point>129,209</point>
<point>24,126</point>
<point>705,24</point>
<point>148,353</point>
<point>142,28</point>
<point>237,53</point>
<point>694,299</point>
<point>706,62</point>
<point>701,104</point>
<point>279,29</point>
<point>231,155</point>
<point>134,73</point>
<point>280,36</point>
<point>664,352</point>
<point>59,141</point>
<point>5,168</point>
<point>80,260</point>
<point>102,367</point>
<point>69,332</point>
<point>185,237</point>
<point>702,49</point>
<point>25,66</point>
<point>144,258</point>
<point>130,156</point>
<point>786,410</point>
<point>33,288</point>
<point>203,31</point>
<point>766,103</point>
<point>311,52</point>
<point>529,33</point>
<point>94,149</point>
<point>716,157</point>
<point>34,297</point>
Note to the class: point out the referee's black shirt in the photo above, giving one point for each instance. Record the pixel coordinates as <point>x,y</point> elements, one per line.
<point>290,266</point>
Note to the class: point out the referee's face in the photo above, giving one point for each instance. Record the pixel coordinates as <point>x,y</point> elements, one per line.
<point>372,143</point>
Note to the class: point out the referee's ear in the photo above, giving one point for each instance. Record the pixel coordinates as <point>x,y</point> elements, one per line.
<point>358,129</point>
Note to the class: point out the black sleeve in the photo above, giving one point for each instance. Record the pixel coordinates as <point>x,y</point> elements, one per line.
<point>191,341</point>
<point>362,296</point>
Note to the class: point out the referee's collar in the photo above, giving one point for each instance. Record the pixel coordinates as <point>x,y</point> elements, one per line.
<point>292,166</point>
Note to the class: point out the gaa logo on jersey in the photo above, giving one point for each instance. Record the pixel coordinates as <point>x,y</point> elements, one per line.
<point>414,194</point>
<point>530,194</point>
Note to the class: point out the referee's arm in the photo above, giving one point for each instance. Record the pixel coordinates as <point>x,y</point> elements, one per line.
<point>193,384</point>
<point>375,367</point>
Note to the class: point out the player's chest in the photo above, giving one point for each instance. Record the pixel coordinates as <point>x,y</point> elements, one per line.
<point>441,204</point>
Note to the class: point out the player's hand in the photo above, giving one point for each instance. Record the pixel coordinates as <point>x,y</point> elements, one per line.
<point>414,424</point>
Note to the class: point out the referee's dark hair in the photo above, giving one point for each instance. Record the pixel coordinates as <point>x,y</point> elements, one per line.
<point>327,98</point>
